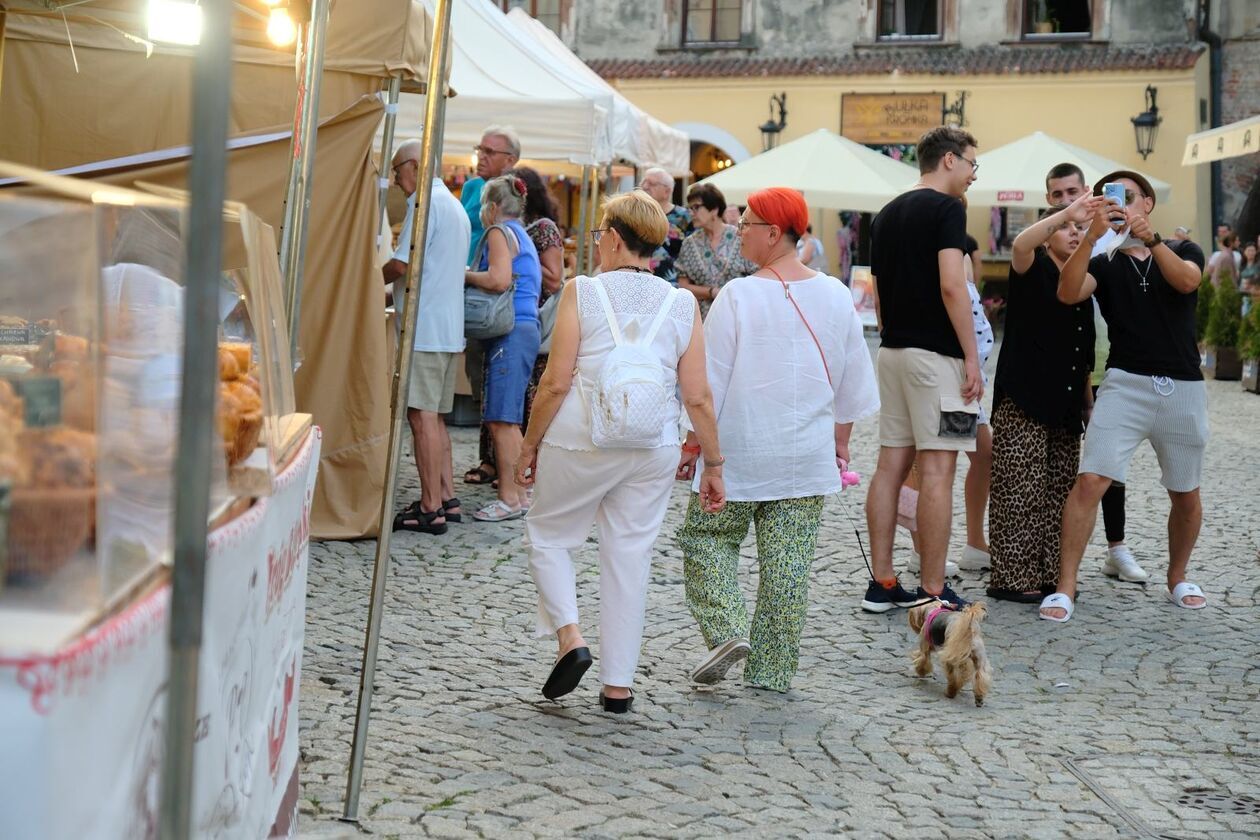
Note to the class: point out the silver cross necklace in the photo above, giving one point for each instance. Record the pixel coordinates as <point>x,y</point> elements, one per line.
<point>1143,274</point>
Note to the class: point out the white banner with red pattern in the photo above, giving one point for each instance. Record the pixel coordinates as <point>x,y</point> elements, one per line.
<point>82,730</point>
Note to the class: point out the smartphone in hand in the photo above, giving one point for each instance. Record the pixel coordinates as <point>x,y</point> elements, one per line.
<point>1114,191</point>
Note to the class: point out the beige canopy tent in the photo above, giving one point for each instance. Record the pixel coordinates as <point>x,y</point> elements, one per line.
<point>831,171</point>
<point>1233,140</point>
<point>1014,175</point>
<point>128,115</point>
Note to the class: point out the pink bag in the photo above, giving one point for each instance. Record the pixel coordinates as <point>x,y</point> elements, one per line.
<point>907,508</point>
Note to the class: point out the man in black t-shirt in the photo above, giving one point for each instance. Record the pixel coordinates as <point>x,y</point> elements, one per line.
<point>1146,288</point>
<point>929,369</point>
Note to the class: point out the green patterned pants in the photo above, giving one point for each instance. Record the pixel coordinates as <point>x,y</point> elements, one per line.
<point>787,533</point>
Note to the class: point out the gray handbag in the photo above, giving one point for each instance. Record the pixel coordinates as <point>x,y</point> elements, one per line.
<point>547,319</point>
<point>489,314</point>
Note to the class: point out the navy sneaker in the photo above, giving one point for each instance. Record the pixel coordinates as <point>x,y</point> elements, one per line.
<point>947,595</point>
<point>881,600</point>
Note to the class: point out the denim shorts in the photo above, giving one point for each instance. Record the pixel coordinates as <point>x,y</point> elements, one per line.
<point>509,365</point>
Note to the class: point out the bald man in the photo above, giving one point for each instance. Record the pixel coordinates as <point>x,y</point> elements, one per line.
<point>660,185</point>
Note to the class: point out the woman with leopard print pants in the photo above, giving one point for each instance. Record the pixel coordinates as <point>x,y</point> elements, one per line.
<point>1040,395</point>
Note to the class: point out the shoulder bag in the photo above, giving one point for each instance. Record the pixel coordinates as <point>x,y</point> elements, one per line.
<point>489,314</point>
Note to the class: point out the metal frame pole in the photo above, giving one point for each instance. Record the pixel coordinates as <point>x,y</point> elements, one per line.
<point>434,116</point>
<point>302,169</point>
<point>583,228</point>
<point>4,18</point>
<point>592,207</point>
<point>211,93</point>
<point>387,148</point>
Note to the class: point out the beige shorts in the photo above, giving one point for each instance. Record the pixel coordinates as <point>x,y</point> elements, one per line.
<point>432,383</point>
<point>920,403</point>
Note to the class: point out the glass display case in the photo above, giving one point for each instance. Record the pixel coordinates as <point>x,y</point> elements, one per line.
<point>91,351</point>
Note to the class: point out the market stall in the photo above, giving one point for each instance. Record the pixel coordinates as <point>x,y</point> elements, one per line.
<point>344,375</point>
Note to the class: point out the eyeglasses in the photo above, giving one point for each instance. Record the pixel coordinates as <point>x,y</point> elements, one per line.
<point>1130,196</point>
<point>597,233</point>
<point>743,225</point>
<point>398,166</point>
<point>647,185</point>
<point>975,167</point>
<point>486,150</point>
<point>694,207</point>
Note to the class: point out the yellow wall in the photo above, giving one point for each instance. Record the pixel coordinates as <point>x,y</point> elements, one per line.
<point>1091,110</point>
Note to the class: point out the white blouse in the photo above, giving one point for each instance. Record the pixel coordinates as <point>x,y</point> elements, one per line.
<point>636,297</point>
<point>776,410</point>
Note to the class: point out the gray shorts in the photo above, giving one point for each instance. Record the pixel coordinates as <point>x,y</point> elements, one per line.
<point>1170,413</point>
<point>432,383</point>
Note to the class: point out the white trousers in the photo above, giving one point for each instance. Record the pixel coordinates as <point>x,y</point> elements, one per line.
<point>624,493</point>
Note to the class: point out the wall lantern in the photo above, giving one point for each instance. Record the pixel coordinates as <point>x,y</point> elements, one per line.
<point>771,128</point>
<point>1146,124</point>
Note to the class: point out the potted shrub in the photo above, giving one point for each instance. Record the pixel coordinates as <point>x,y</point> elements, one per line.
<point>1249,349</point>
<point>1224,320</point>
<point>1202,307</point>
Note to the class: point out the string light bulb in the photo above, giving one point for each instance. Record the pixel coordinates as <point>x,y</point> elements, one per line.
<point>175,22</point>
<point>281,30</point>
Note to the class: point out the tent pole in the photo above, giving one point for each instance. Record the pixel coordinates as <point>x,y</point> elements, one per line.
<point>211,97</point>
<point>387,148</point>
<point>592,207</point>
<point>3,21</point>
<point>434,117</point>
<point>583,227</point>
<point>297,200</point>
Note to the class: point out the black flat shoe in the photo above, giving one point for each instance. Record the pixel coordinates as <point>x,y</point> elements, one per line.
<point>1015,596</point>
<point>567,673</point>
<point>616,705</point>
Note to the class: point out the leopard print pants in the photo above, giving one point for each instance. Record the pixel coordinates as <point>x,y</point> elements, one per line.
<point>1034,468</point>
<point>787,536</point>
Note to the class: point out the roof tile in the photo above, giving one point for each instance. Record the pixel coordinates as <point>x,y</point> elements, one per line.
<point>1021,59</point>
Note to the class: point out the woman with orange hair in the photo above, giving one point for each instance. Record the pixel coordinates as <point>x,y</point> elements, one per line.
<point>790,373</point>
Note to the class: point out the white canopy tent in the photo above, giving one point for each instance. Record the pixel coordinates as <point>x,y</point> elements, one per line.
<point>1233,140</point>
<point>636,136</point>
<point>500,78</point>
<point>831,171</point>
<point>1014,175</point>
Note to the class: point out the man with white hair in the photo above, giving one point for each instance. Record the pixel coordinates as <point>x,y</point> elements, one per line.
<point>498,151</point>
<point>660,185</point>
<point>439,339</point>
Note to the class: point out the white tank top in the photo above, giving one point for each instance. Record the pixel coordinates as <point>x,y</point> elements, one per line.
<point>636,297</point>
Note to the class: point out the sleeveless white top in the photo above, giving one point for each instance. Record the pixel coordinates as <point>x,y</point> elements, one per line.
<point>636,297</point>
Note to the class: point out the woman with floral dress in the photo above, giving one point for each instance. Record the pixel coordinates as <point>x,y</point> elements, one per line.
<point>710,256</point>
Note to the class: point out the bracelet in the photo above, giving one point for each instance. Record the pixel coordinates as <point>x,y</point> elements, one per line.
<point>695,450</point>
<point>719,462</point>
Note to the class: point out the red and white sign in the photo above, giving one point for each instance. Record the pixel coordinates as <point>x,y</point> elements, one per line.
<point>83,728</point>
<point>1010,195</point>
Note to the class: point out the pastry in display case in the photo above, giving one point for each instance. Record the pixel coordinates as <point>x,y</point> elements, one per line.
<point>90,382</point>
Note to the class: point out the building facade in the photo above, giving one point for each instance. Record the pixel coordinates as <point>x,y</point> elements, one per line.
<point>1076,69</point>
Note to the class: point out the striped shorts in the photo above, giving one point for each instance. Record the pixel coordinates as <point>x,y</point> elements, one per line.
<point>1131,408</point>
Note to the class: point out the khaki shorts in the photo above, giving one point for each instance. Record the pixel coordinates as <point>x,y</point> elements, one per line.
<point>919,399</point>
<point>432,383</point>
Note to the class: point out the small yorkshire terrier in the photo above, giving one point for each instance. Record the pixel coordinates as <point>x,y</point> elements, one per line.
<point>956,635</point>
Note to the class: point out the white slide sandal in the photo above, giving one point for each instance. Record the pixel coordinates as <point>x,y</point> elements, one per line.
<point>1185,590</point>
<point>1056,601</point>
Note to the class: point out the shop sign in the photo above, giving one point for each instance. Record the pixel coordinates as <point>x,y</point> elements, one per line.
<point>888,118</point>
<point>1010,195</point>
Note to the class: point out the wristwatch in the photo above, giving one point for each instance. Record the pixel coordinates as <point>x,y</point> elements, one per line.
<point>1153,241</point>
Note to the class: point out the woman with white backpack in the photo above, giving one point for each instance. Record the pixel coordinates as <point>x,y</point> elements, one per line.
<point>790,373</point>
<point>602,443</point>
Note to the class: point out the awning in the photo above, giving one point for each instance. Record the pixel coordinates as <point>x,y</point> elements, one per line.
<point>1240,138</point>
<point>636,136</point>
<point>500,79</point>
<point>1014,175</point>
<point>831,171</point>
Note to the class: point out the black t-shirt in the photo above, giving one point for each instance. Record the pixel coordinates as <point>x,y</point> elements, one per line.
<point>972,245</point>
<point>906,238</point>
<point>1047,348</point>
<point>1150,325</point>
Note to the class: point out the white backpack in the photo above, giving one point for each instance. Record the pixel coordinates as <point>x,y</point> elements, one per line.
<point>633,394</point>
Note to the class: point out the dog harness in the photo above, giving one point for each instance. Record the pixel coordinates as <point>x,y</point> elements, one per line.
<point>931,634</point>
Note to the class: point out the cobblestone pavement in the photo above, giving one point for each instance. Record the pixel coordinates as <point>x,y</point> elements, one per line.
<point>1134,720</point>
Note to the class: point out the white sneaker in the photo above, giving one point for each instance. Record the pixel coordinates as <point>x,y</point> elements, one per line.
<point>973,559</point>
<point>1121,563</point>
<point>951,568</point>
